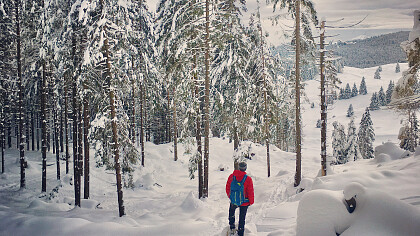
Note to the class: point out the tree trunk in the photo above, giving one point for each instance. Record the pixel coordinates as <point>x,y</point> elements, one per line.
<point>168,120</point>
<point>198,133</point>
<point>44,127</point>
<point>235,147</point>
<point>57,152</point>
<point>114,129</point>
<point>2,138</point>
<point>21,139</point>
<point>61,125</point>
<point>133,105</point>
<point>265,106</point>
<point>175,126</point>
<point>323,106</point>
<point>206,105</point>
<point>297,88</point>
<point>142,114</point>
<point>33,129</point>
<point>86,119</point>
<point>37,130</point>
<point>75,129</point>
<point>27,123</point>
<point>66,126</point>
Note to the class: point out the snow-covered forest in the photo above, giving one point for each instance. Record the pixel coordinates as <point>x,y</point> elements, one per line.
<point>116,119</point>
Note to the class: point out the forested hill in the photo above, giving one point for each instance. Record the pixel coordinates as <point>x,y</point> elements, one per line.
<point>374,51</point>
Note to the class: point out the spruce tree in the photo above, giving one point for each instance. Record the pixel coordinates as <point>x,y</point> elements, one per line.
<point>342,94</point>
<point>374,102</point>
<point>354,90</point>
<point>380,68</point>
<point>350,111</point>
<point>397,68</point>
<point>366,136</point>
<point>362,88</point>
<point>389,91</point>
<point>339,143</point>
<point>353,152</point>
<point>377,74</point>
<point>381,97</point>
<point>347,92</point>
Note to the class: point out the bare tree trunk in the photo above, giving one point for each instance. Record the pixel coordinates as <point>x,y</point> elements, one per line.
<point>198,134</point>
<point>21,139</point>
<point>323,106</point>
<point>61,126</point>
<point>175,134</point>
<point>267,143</point>
<point>57,152</point>
<point>27,123</point>
<point>235,147</point>
<point>206,105</point>
<point>33,129</point>
<point>86,118</point>
<point>142,114</point>
<point>2,138</point>
<point>298,175</point>
<point>44,127</point>
<point>66,126</point>
<point>133,106</point>
<point>37,131</point>
<point>75,130</point>
<point>114,130</point>
<point>168,120</point>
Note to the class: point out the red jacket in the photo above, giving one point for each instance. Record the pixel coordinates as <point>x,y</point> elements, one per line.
<point>248,186</point>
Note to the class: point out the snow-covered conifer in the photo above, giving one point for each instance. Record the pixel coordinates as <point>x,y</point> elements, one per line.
<point>353,152</point>
<point>377,74</point>
<point>374,102</point>
<point>354,90</point>
<point>389,91</point>
<point>350,111</point>
<point>362,88</point>
<point>381,97</point>
<point>347,91</point>
<point>339,141</point>
<point>397,68</point>
<point>366,136</point>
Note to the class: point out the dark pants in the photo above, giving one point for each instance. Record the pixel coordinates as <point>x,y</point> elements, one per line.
<point>242,215</point>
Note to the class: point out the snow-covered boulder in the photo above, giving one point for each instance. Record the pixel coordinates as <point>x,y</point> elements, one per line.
<point>355,211</point>
<point>322,212</point>
<point>390,150</point>
<point>378,213</point>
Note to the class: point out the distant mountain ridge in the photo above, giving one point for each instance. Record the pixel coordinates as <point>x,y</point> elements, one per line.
<point>373,51</point>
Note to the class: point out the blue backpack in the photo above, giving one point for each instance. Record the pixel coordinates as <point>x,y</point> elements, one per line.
<point>237,196</point>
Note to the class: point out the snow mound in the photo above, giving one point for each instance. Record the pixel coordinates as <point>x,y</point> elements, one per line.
<point>43,206</point>
<point>324,212</point>
<point>146,181</point>
<point>191,203</point>
<point>382,157</point>
<point>378,213</point>
<point>390,150</point>
<point>89,204</point>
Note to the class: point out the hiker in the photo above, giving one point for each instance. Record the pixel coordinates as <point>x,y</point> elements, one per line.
<point>240,190</point>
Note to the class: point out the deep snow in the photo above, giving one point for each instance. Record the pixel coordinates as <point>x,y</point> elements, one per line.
<point>164,200</point>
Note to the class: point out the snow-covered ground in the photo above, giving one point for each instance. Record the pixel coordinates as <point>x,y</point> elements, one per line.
<point>164,200</point>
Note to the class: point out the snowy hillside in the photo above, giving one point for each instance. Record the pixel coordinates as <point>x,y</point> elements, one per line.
<point>164,200</point>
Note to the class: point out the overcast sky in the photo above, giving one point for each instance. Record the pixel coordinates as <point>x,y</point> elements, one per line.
<point>383,16</point>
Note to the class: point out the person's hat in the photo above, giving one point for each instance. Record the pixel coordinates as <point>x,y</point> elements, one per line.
<point>242,166</point>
